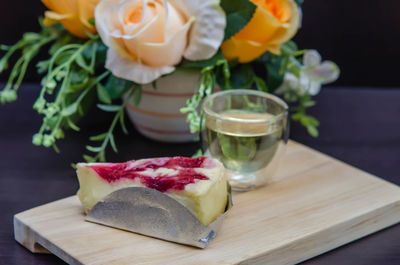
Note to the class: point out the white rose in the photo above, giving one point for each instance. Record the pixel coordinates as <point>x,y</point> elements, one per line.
<point>146,38</point>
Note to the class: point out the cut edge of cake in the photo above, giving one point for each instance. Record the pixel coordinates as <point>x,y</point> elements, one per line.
<point>205,199</point>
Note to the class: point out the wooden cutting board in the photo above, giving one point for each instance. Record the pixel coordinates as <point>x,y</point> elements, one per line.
<point>314,204</point>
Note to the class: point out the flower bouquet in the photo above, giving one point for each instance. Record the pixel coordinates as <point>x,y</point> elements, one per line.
<point>102,52</point>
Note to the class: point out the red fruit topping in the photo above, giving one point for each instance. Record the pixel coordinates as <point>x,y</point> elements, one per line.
<point>183,165</point>
<point>186,162</point>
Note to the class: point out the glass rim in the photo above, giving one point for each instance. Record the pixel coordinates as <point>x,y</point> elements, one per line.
<point>250,92</point>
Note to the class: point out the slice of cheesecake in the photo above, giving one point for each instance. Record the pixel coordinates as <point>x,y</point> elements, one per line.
<point>198,184</point>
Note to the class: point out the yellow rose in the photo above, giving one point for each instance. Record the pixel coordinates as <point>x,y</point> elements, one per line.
<point>146,38</point>
<point>274,22</point>
<point>74,15</point>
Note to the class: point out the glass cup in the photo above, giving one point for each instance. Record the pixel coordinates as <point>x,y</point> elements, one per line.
<point>247,131</point>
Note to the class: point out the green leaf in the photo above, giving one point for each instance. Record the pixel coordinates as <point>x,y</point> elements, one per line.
<point>137,95</point>
<point>198,153</point>
<point>79,77</point>
<point>295,67</point>
<point>226,70</point>
<point>304,121</point>
<point>82,63</point>
<point>76,88</point>
<point>64,56</point>
<point>289,47</point>
<point>3,64</point>
<point>260,84</point>
<point>313,121</point>
<point>102,156</point>
<point>203,63</point>
<point>116,87</point>
<point>51,122</point>
<point>242,77</point>
<point>91,21</point>
<point>56,149</point>
<point>112,142</point>
<point>284,65</point>
<point>72,125</point>
<point>238,14</point>
<point>309,103</point>
<point>103,95</point>
<point>90,53</point>
<point>273,65</point>
<point>5,47</point>
<point>91,35</point>
<point>99,137</point>
<point>31,37</point>
<point>101,54</point>
<point>313,131</point>
<point>109,108</point>
<point>42,66</point>
<point>70,109</point>
<point>154,84</point>
<point>309,121</point>
<point>122,122</point>
<point>79,80</point>
<point>94,149</point>
<point>61,41</point>
<point>297,116</point>
<point>89,159</point>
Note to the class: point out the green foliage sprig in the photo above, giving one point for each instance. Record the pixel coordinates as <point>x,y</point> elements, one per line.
<point>73,75</point>
<point>107,138</point>
<point>29,46</point>
<point>264,74</point>
<point>300,102</point>
<point>311,123</point>
<point>209,69</point>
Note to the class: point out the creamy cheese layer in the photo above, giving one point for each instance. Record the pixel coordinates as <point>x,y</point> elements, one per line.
<point>205,198</point>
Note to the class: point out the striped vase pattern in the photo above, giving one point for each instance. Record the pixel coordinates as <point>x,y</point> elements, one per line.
<point>158,115</point>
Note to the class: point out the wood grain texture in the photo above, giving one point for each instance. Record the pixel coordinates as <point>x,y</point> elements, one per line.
<point>314,204</point>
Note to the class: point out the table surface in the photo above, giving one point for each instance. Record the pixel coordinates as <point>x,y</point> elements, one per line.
<point>358,126</point>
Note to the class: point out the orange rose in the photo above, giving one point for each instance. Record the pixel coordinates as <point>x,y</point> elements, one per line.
<point>74,15</point>
<point>274,22</point>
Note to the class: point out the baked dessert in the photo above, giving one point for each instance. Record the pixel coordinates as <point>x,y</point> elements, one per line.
<point>198,184</point>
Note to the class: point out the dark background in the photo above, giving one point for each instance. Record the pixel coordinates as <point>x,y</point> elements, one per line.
<point>361,36</point>
<point>359,126</point>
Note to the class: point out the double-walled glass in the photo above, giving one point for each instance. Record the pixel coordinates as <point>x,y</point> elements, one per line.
<point>247,131</point>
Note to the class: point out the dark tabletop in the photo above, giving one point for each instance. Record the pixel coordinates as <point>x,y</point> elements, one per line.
<point>358,126</point>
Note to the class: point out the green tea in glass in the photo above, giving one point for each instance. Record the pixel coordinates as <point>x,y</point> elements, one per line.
<point>246,130</point>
